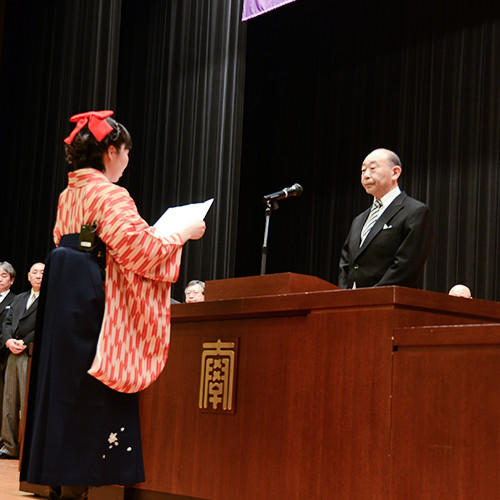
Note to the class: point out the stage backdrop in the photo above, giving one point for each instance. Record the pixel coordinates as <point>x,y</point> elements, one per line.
<point>327,82</point>
<point>173,71</point>
<point>236,110</point>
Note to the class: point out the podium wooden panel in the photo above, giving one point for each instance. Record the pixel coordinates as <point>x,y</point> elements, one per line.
<point>446,413</point>
<point>261,286</point>
<point>313,394</point>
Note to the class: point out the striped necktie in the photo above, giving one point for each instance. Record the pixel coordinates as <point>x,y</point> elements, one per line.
<point>372,218</point>
<point>31,299</point>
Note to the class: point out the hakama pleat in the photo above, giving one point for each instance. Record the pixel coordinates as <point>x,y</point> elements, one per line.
<point>78,430</point>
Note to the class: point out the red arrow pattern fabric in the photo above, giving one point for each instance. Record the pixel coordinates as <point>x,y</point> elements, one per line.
<point>140,266</point>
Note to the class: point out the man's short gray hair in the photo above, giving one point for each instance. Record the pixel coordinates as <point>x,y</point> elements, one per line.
<point>196,282</point>
<point>393,158</point>
<point>8,268</point>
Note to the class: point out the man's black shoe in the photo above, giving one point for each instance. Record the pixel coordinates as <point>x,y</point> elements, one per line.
<point>7,456</point>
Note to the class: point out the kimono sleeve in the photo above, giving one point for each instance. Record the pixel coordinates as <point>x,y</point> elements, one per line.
<point>129,239</point>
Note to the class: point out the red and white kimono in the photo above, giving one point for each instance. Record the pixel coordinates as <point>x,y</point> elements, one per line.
<point>134,338</point>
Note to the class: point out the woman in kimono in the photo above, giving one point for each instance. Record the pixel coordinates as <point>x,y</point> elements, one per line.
<point>97,342</point>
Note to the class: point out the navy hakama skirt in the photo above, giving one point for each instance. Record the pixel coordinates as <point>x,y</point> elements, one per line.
<point>78,430</point>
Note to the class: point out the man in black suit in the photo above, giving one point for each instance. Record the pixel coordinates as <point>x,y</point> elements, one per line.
<point>389,242</point>
<point>7,276</point>
<point>18,332</point>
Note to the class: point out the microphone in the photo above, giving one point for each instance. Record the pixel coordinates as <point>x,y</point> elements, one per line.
<point>295,190</point>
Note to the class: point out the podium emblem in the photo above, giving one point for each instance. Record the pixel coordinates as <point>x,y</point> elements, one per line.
<point>218,374</point>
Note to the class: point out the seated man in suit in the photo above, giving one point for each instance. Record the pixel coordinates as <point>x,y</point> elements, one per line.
<point>18,332</point>
<point>388,243</point>
<point>195,291</point>
<point>7,276</point>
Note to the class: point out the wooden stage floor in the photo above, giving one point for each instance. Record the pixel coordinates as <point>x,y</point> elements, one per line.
<point>9,481</point>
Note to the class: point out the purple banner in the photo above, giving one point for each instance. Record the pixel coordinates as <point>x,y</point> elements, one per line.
<point>253,8</point>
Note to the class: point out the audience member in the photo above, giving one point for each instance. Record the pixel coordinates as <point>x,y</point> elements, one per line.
<point>18,332</point>
<point>195,291</point>
<point>7,276</point>
<point>460,291</point>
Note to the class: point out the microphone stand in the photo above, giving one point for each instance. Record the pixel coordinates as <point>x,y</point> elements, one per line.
<point>271,206</point>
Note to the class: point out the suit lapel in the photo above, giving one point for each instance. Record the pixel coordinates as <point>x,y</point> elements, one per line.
<point>7,301</point>
<point>21,304</point>
<point>389,212</point>
<point>356,230</point>
<point>32,307</point>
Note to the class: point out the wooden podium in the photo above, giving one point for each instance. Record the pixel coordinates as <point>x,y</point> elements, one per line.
<point>281,387</point>
<point>446,413</point>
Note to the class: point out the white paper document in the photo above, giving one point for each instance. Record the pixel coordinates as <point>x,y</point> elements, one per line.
<point>177,218</point>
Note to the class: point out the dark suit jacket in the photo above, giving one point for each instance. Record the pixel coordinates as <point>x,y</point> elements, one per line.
<point>4,308</point>
<point>19,322</point>
<point>395,250</point>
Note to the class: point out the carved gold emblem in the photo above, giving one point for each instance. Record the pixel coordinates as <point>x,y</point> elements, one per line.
<point>218,371</point>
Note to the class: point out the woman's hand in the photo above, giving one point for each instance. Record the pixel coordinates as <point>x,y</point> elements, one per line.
<point>194,231</point>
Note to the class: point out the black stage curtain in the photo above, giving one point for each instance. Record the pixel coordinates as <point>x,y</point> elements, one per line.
<point>328,82</point>
<point>58,59</point>
<point>181,88</point>
<point>325,82</point>
<point>174,71</point>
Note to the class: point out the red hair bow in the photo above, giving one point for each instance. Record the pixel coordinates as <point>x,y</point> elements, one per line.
<point>98,125</point>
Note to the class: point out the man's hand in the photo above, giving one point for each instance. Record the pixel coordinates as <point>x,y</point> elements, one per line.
<point>15,346</point>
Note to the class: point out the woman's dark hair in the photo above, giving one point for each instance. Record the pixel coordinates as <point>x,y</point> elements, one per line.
<point>87,151</point>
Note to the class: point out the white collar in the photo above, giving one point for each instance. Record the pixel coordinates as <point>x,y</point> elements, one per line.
<point>389,197</point>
